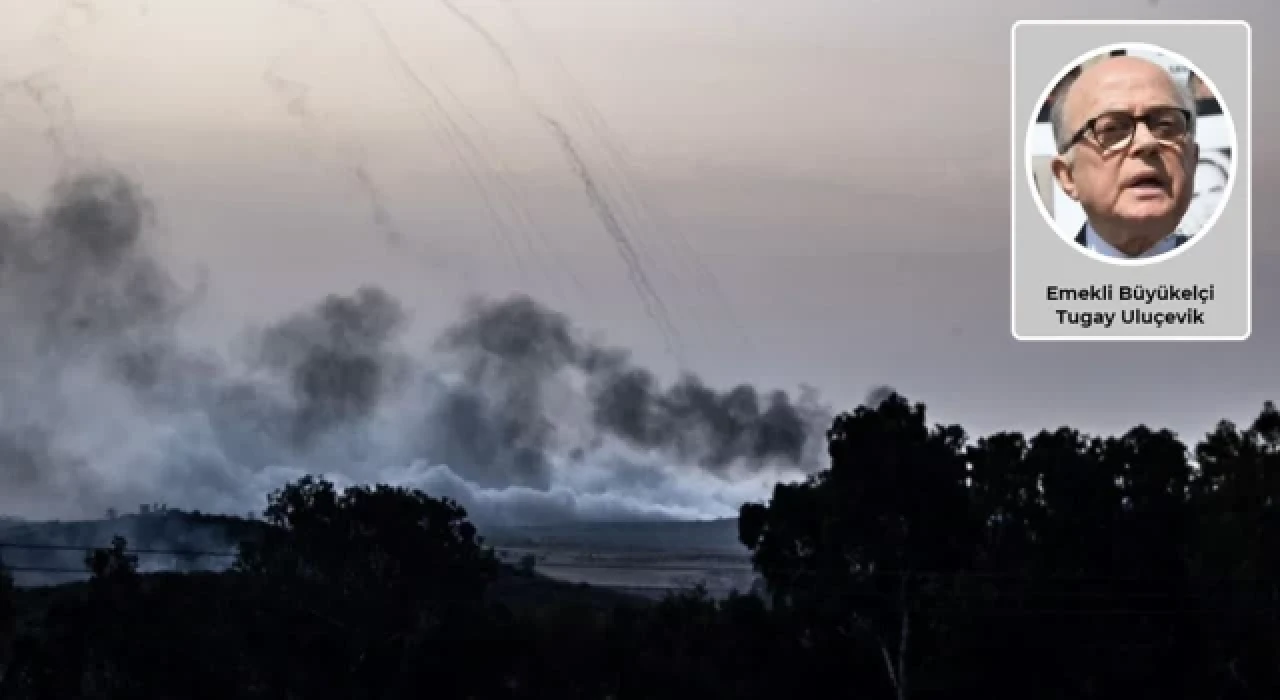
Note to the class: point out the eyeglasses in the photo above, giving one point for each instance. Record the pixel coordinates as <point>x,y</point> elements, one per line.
<point>1112,131</point>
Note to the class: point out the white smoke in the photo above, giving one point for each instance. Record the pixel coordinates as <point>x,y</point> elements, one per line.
<point>103,404</point>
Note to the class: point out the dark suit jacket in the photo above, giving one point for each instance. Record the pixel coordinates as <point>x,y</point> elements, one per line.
<point>1178,239</point>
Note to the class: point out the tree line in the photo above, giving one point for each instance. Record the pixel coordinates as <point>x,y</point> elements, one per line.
<point>918,564</point>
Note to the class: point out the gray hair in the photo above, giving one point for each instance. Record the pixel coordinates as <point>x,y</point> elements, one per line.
<point>1058,112</point>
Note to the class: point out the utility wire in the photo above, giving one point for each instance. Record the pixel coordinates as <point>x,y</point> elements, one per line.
<point>130,550</point>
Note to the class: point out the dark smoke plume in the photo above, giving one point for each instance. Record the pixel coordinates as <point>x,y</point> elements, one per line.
<point>703,425</point>
<point>79,294</point>
<point>496,425</point>
<point>517,347</point>
<point>76,274</point>
<point>337,359</point>
<point>103,401</point>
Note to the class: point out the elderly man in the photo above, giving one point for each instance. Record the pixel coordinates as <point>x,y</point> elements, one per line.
<point>1125,132</point>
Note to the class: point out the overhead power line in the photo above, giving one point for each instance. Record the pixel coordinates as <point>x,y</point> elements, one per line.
<point>131,550</point>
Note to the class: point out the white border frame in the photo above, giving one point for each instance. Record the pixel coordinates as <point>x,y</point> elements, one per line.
<point>1014,180</point>
<point>1232,174</point>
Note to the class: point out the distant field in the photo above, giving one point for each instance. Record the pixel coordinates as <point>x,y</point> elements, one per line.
<point>644,558</point>
<point>635,557</point>
<point>710,538</point>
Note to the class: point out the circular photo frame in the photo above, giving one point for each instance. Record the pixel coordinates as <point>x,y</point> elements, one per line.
<point>1212,180</point>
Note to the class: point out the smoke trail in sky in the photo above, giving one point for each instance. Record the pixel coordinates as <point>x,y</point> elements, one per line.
<point>482,32</point>
<point>652,300</point>
<point>653,304</point>
<point>295,96</point>
<point>621,163</point>
<point>612,214</point>
<point>456,138</point>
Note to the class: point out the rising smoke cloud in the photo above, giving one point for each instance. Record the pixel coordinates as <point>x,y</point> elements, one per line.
<point>512,411</point>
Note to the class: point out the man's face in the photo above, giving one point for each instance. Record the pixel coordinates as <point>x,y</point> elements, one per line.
<point>1137,192</point>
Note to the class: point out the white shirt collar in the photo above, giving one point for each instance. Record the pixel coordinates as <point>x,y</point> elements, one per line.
<point>1095,243</point>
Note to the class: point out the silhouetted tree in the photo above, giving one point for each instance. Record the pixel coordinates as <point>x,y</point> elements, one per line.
<point>1237,504</point>
<point>528,564</point>
<point>858,547</point>
<point>1063,566</point>
<point>113,563</point>
<point>372,573</point>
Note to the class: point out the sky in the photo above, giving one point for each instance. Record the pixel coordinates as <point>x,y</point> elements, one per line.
<point>826,179</point>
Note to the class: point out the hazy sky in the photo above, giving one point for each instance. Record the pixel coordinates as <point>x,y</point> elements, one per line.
<point>838,166</point>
